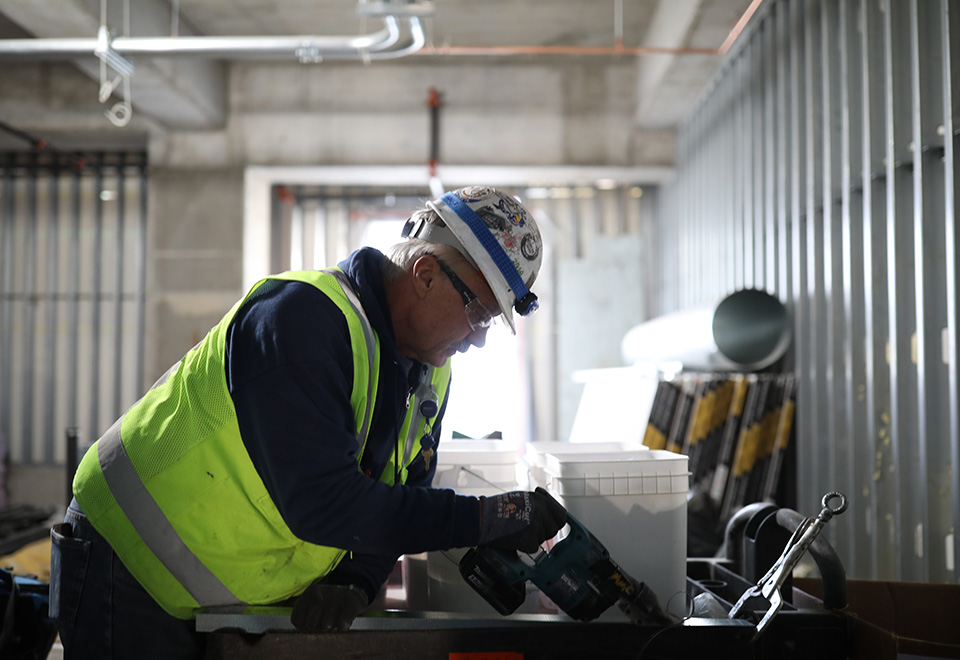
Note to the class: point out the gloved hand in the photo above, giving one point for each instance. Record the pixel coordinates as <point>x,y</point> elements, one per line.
<point>520,520</point>
<point>328,607</point>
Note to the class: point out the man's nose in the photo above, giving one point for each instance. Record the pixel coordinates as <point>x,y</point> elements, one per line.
<point>478,337</point>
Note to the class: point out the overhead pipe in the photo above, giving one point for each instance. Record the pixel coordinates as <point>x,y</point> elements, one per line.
<point>382,44</point>
<point>379,45</point>
<point>616,49</point>
<point>739,27</point>
<point>416,43</point>
<point>747,330</point>
<point>434,103</point>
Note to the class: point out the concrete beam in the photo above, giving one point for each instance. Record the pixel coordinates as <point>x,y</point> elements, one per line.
<point>177,93</point>
<point>668,29</point>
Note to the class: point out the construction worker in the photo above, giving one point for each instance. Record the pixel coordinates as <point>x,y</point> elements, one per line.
<point>287,456</point>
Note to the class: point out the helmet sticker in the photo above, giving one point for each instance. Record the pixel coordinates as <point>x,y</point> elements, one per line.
<point>529,247</point>
<point>474,193</point>
<point>519,267</point>
<point>510,208</point>
<point>491,218</point>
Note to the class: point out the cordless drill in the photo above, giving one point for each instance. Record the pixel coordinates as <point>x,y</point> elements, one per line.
<point>577,574</point>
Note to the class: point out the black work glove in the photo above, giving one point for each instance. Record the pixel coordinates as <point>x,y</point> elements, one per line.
<point>520,520</point>
<point>328,607</point>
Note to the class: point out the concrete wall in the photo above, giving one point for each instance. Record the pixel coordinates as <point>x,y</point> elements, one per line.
<point>536,114</point>
<point>194,259</point>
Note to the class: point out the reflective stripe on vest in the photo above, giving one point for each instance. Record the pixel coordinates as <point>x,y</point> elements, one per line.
<point>153,527</point>
<point>371,340</point>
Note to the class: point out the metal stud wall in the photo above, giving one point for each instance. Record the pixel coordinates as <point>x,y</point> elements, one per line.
<point>820,166</point>
<point>72,279</point>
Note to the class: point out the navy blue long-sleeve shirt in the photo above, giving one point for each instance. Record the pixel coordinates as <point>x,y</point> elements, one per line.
<point>290,374</point>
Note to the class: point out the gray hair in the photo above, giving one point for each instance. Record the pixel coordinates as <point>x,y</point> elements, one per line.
<point>401,256</point>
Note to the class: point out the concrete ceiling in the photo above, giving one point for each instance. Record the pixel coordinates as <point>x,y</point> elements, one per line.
<point>677,44</point>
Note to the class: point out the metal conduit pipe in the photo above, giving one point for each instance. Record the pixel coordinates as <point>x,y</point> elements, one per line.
<point>379,45</point>
<point>745,331</point>
<point>417,41</point>
<point>305,48</point>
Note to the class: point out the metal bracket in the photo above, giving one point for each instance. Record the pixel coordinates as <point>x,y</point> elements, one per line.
<point>122,111</point>
<point>396,8</point>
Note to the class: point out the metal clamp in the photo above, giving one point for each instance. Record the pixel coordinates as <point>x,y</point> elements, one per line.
<point>120,113</point>
<point>803,537</point>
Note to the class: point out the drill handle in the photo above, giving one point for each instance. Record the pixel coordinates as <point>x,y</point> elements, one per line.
<point>497,575</point>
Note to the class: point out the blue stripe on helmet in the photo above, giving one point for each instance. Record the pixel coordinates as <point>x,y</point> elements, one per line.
<point>490,244</point>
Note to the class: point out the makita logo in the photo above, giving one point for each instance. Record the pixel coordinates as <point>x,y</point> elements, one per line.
<point>622,583</point>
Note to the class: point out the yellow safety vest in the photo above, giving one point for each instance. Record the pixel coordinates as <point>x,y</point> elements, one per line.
<point>171,487</point>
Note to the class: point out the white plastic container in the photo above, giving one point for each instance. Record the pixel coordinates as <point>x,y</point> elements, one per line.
<point>635,503</point>
<point>479,467</point>
<point>535,454</point>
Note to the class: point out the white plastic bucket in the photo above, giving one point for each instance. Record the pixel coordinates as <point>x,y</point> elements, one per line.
<point>635,503</point>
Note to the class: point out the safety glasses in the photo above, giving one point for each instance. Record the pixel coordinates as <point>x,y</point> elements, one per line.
<point>478,315</point>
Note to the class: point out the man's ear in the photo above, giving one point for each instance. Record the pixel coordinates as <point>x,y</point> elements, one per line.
<point>425,271</point>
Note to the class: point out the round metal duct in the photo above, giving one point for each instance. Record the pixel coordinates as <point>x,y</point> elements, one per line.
<point>745,331</point>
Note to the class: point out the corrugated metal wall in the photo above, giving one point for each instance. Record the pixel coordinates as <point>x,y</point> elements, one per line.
<point>820,167</point>
<point>72,278</point>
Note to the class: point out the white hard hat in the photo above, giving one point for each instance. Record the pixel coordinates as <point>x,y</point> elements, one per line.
<point>497,235</point>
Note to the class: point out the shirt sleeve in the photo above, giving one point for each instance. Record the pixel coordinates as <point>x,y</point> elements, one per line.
<point>368,572</point>
<point>290,373</point>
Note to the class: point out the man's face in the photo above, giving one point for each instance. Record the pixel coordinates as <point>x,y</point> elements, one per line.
<point>443,329</point>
